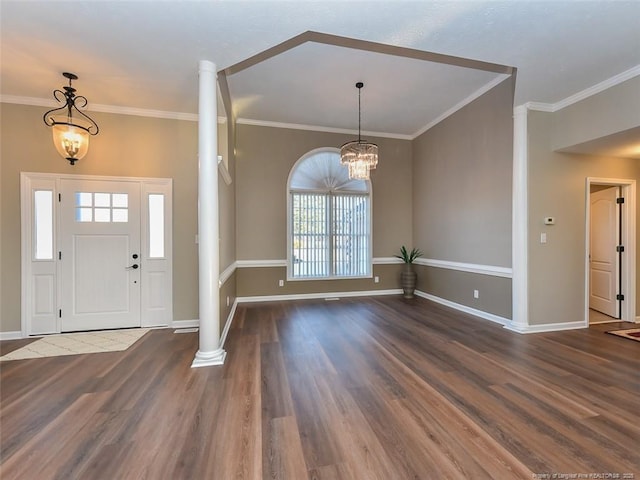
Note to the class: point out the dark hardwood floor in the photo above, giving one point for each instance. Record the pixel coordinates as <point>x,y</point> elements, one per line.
<point>380,388</point>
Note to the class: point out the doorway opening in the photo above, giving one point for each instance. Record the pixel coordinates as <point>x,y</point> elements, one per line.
<point>610,241</point>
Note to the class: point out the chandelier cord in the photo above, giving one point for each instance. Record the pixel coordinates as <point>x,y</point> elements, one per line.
<point>359,114</point>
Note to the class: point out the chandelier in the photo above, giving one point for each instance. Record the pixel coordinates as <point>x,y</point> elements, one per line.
<point>358,155</point>
<point>70,135</point>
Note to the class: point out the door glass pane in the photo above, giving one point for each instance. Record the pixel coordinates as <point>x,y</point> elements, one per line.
<point>84,214</point>
<point>120,200</point>
<point>120,215</point>
<point>102,200</point>
<point>156,225</point>
<point>102,214</point>
<point>43,203</point>
<point>84,199</point>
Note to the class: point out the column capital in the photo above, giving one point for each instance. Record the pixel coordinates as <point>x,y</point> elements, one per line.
<point>207,66</point>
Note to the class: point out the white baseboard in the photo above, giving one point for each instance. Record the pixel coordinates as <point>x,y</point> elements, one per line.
<point>11,335</point>
<point>227,325</point>
<point>196,323</point>
<point>309,296</point>
<point>546,327</point>
<point>463,308</point>
<point>185,323</point>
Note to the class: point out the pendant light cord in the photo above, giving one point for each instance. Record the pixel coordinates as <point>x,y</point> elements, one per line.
<point>359,86</point>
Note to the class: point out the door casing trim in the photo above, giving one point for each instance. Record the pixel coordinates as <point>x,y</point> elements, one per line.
<point>26,219</point>
<point>628,264</point>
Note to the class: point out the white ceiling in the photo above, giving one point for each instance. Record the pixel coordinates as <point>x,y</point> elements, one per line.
<point>145,54</point>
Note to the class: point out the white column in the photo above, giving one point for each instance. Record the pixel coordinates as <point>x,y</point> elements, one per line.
<point>209,352</point>
<point>520,284</point>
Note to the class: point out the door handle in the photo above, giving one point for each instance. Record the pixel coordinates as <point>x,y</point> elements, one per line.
<point>134,266</point>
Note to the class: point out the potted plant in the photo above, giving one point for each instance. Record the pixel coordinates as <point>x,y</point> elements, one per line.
<point>408,276</point>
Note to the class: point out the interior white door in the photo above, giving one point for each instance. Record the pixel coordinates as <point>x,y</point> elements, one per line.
<point>99,254</point>
<point>604,259</point>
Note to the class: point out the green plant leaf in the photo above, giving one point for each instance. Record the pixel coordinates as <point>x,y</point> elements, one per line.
<point>408,257</point>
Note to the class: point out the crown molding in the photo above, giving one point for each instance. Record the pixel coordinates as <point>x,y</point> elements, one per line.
<point>586,93</point>
<point>318,128</point>
<point>478,93</point>
<point>118,110</point>
<point>597,88</point>
<point>539,107</point>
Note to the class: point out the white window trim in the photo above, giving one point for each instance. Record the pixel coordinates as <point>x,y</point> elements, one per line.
<point>289,191</point>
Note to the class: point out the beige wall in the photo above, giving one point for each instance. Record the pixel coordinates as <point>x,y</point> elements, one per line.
<point>455,286</point>
<point>462,176</point>
<point>557,187</point>
<point>126,146</point>
<point>448,193</point>
<point>614,110</point>
<point>261,281</point>
<point>265,157</point>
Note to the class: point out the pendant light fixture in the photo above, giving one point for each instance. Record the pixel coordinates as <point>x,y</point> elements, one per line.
<point>70,134</point>
<point>358,155</point>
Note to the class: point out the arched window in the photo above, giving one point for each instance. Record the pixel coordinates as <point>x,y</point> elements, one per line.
<point>329,219</point>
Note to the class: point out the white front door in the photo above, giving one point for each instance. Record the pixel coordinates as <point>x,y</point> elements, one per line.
<point>99,254</point>
<point>603,265</point>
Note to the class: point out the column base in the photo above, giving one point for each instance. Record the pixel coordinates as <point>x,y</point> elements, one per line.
<point>209,359</point>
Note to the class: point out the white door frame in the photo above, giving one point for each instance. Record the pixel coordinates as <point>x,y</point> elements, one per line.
<point>628,263</point>
<point>156,310</point>
<point>607,230</point>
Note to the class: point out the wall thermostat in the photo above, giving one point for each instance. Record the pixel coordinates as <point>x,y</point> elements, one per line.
<point>549,220</point>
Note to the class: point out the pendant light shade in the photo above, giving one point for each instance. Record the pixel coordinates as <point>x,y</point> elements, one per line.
<point>358,155</point>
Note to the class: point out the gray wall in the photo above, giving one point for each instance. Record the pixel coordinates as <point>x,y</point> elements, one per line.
<point>462,176</point>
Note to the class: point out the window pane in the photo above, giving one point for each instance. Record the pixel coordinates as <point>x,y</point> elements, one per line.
<point>156,225</point>
<point>351,235</point>
<point>120,200</point>
<point>43,206</point>
<point>84,214</point>
<point>310,241</point>
<point>330,220</point>
<point>102,200</point>
<point>102,214</point>
<point>120,215</point>
<point>84,199</point>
